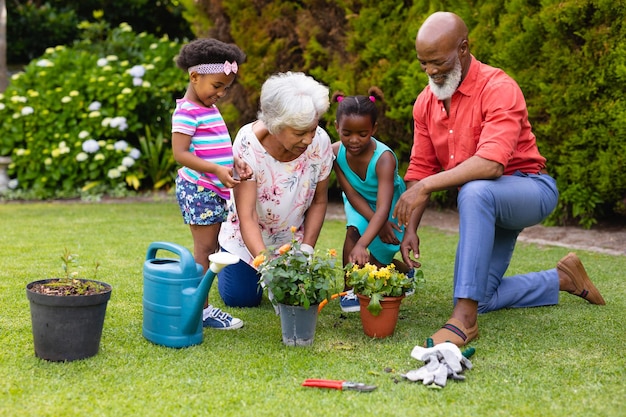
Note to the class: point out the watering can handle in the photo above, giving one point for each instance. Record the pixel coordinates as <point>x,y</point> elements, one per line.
<point>187,262</point>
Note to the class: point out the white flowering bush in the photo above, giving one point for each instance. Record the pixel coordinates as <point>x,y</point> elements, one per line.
<point>76,119</point>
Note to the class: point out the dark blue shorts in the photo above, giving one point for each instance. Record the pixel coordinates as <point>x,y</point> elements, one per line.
<point>199,205</point>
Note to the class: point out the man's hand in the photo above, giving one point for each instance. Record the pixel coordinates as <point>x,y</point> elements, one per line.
<point>411,199</point>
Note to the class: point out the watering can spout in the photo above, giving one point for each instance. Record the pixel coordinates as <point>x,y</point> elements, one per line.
<point>193,298</point>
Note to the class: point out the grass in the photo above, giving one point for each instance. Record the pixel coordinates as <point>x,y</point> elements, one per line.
<point>565,360</point>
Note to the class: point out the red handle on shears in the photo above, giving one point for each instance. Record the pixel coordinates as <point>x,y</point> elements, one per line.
<point>324,383</point>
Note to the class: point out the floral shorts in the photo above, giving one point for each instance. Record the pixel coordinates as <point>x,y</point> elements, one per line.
<point>199,205</point>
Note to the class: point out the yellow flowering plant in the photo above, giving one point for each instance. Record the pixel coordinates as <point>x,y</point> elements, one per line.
<point>377,283</point>
<point>295,277</point>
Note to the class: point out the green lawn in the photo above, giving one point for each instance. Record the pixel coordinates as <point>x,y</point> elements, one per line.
<point>565,360</point>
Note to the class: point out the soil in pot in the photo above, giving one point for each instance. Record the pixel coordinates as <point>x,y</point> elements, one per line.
<point>67,326</point>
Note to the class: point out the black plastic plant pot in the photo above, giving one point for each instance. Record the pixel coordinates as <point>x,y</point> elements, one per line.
<point>67,328</point>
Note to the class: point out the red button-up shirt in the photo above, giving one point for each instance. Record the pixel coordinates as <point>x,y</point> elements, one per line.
<point>488,118</point>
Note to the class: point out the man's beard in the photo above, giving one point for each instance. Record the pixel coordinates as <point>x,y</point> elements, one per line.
<point>451,83</point>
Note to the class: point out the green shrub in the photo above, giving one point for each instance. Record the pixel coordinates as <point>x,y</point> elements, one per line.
<point>569,58</point>
<point>31,28</point>
<point>73,119</point>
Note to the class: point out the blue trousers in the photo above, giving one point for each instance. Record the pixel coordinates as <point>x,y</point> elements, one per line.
<point>492,213</point>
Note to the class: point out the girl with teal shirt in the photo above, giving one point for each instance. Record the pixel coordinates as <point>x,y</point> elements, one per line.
<point>367,172</point>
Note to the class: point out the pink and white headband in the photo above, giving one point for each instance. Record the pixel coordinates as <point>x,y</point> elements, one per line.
<point>226,68</point>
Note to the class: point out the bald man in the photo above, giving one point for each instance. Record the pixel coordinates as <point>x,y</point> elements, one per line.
<point>472,132</point>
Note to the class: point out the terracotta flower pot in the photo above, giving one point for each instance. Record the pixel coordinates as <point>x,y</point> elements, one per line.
<point>384,324</point>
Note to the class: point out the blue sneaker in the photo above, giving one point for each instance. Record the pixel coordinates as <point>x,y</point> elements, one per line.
<point>217,319</point>
<point>350,302</point>
<point>411,275</point>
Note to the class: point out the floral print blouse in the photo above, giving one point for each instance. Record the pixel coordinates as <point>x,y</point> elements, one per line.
<point>285,190</point>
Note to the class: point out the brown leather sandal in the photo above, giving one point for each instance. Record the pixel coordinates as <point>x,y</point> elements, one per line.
<point>454,331</point>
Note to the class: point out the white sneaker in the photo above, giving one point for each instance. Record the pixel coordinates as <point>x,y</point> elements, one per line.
<point>350,302</point>
<point>217,319</point>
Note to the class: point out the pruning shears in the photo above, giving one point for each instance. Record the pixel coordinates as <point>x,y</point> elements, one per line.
<point>338,384</point>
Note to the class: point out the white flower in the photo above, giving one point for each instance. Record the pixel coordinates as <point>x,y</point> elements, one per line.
<point>94,106</point>
<point>134,153</point>
<point>112,58</point>
<point>2,106</point>
<point>122,168</point>
<point>120,145</point>
<point>82,157</point>
<point>63,148</point>
<point>18,99</point>
<point>114,173</point>
<point>137,82</point>
<point>66,99</point>
<point>91,146</point>
<point>137,71</point>
<point>27,110</point>
<point>146,84</point>
<point>106,122</point>
<point>102,62</point>
<point>13,183</point>
<point>119,122</point>
<point>126,90</point>
<point>94,114</point>
<point>99,157</point>
<point>74,93</point>
<point>48,161</point>
<point>45,63</point>
<point>83,134</point>
<point>128,161</point>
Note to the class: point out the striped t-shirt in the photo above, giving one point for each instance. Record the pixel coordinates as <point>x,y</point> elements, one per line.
<point>210,141</point>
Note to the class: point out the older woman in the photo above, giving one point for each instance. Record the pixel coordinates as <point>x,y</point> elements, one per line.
<point>291,158</point>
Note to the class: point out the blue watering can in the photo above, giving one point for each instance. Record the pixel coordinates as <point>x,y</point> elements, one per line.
<point>174,294</point>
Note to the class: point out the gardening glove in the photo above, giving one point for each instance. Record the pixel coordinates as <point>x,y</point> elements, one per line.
<point>307,249</point>
<point>434,374</point>
<point>440,377</point>
<point>443,361</point>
